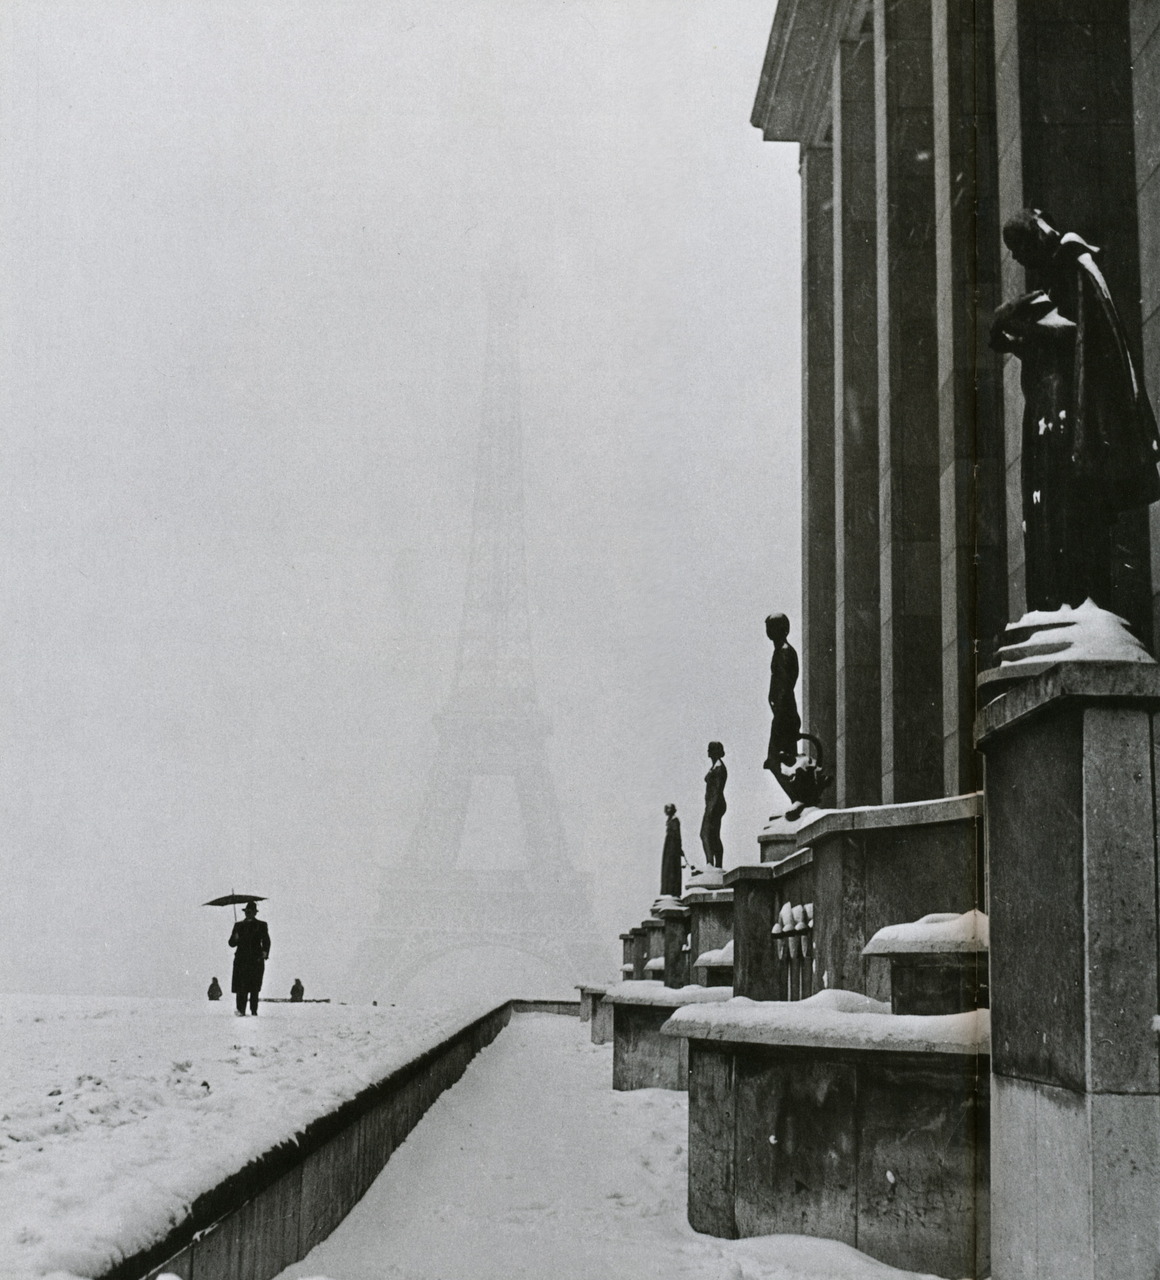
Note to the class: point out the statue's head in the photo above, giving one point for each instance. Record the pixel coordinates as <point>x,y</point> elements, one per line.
<point>1031,237</point>
<point>670,809</point>
<point>716,751</point>
<point>777,627</point>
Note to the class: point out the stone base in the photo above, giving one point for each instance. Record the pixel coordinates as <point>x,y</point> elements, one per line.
<point>601,1026</point>
<point>1077,1183</point>
<point>642,1058</point>
<point>884,1151</point>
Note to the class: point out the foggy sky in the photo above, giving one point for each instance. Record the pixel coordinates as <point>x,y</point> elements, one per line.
<point>242,291</point>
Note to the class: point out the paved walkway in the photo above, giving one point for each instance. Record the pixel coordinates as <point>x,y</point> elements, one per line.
<point>532,1167</point>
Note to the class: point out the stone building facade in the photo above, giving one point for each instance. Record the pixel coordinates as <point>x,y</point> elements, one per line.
<point>923,126</point>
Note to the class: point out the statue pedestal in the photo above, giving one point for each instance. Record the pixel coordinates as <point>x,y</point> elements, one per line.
<point>710,923</point>
<point>1071,805</point>
<point>676,918</point>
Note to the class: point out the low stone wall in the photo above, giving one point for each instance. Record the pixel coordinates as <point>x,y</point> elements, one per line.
<point>875,1134</point>
<point>275,1210</point>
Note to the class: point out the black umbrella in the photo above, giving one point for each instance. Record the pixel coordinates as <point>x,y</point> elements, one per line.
<point>232,900</point>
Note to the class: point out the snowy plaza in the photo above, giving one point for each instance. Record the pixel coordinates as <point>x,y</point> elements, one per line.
<point>530,1166</point>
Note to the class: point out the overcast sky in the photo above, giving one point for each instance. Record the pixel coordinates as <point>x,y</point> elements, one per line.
<point>242,288</point>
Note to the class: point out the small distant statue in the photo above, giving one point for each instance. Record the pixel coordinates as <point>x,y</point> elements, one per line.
<point>1090,444</point>
<point>215,990</point>
<point>297,992</point>
<point>715,781</point>
<point>673,855</point>
<point>801,778</point>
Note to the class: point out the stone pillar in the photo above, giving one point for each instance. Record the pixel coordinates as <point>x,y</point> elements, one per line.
<point>1065,137</point>
<point>654,932</point>
<point>1145,94</point>
<point>858,745</point>
<point>1071,820</point>
<point>639,952</point>
<point>972,497</point>
<point>626,964</point>
<point>710,920</point>
<point>677,961</point>
<point>908,454</point>
<point>817,638</point>
<point>755,903</point>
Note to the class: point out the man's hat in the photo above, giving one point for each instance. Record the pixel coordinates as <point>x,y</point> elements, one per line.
<point>250,909</point>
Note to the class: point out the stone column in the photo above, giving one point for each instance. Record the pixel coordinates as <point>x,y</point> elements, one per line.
<point>639,952</point>
<point>1071,810</point>
<point>677,960</point>
<point>1145,94</point>
<point>858,746</point>
<point>755,968</point>
<point>908,454</point>
<point>654,932</point>
<point>972,498</point>
<point>1066,144</point>
<point>817,638</point>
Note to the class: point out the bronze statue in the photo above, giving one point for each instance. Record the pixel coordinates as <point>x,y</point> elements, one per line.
<point>802,779</point>
<point>783,678</point>
<point>715,781</point>
<point>1090,444</point>
<point>673,855</point>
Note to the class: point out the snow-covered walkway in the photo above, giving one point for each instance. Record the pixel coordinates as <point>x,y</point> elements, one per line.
<point>531,1166</point>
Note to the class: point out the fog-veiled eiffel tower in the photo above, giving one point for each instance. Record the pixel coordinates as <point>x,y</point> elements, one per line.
<point>438,902</point>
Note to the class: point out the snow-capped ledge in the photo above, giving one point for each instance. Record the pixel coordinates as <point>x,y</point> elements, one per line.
<point>721,958</point>
<point>943,933</point>
<point>833,1020</point>
<point>665,997</point>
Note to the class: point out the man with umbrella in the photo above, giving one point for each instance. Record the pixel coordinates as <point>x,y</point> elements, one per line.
<point>251,938</point>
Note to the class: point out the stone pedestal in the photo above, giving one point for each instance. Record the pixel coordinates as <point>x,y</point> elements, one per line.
<point>676,920</point>
<point>937,964</point>
<point>1072,842</point>
<point>878,865</point>
<point>654,962</point>
<point>710,920</point>
<point>643,1058</point>
<point>639,952</point>
<point>855,1126</point>
<point>755,904</point>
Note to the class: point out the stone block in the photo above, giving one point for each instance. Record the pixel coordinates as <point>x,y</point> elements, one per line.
<point>796,1145</point>
<point>923,1162</point>
<point>712,1137</point>
<point>642,1058</point>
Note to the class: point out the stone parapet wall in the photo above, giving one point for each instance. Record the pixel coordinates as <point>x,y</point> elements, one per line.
<point>271,1213</point>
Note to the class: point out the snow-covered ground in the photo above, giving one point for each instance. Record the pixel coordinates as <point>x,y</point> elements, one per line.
<point>115,1114</point>
<point>532,1167</point>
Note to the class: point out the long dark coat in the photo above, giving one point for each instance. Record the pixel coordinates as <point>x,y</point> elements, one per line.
<point>251,937</point>
<point>671,859</point>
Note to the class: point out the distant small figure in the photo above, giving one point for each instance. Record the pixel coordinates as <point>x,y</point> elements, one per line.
<point>715,781</point>
<point>215,990</point>
<point>297,991</point>
<point>673,854</point>
<point>783,678</point>
<point>251,937</point>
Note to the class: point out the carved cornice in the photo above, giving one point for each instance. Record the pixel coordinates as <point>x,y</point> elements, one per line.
<point>793,97</point>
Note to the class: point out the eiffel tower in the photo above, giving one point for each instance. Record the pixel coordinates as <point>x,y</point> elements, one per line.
<point>439,902</point>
